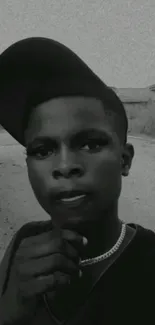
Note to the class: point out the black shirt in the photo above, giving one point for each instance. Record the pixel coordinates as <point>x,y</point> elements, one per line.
<point>125,294</point>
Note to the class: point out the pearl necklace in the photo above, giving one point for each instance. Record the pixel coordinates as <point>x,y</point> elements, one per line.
<point>102,257</point>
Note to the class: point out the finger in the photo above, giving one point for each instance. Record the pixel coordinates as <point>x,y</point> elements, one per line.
<point>77,240</point>
<point>46,265</point>
<point>47,236</point>
<point>43,284</point>
<point>58,245</point>
<point>37,238</point>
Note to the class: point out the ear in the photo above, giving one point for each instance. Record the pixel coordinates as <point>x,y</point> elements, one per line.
<point>127,156</point>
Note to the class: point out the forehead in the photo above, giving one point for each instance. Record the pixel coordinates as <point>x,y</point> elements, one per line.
<point>68,114</point>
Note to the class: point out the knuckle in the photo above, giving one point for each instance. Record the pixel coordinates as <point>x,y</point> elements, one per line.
<point>19,254</point>
<point>22,253</point>
<point>25,242</point>
<point>16,267</point>
<point>60,278</point>
<point>60,244</point>
<point>23,272</point>
<point>19,272</point>
<point>63,263</point>
<point>72,266</point>
<point>44,283</point>
<point>25,290</point>
<point>73,252</point>
<point>73,236</point>
<point>58,260</point>
<point>21,291</point>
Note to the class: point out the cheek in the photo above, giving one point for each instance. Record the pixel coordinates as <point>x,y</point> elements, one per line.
<point>39,176</point>
<point>106,171</point>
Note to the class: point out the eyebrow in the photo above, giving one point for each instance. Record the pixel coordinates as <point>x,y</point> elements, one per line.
<point>74,137</point>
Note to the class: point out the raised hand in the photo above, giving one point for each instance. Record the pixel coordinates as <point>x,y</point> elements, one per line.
<point>42,263</point>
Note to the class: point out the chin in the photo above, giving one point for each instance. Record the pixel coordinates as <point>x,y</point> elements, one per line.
<point>73,222</point>
<point>80,225</point>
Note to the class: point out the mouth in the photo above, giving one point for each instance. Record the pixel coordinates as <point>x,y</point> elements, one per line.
<point>71,198</point>
<point>74,198</point>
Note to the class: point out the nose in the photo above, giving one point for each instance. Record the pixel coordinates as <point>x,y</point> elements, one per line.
<point>67,167</point>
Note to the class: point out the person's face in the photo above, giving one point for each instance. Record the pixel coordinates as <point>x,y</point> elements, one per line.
<point>73,151</point>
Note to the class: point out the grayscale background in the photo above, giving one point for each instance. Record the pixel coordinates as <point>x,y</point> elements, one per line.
<point>117,40</point>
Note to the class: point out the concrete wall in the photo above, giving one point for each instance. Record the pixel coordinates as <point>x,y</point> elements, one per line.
<point>141,117</point>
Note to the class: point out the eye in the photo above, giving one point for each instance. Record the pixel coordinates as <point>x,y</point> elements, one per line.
<point>40,152</point>
<point>94,145</point>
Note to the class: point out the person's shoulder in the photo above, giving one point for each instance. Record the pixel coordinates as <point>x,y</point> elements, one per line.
<point>143,233</point>
<point>144,241</point>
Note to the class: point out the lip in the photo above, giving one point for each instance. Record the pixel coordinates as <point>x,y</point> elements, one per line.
<point>71,199</point>
<point>69,194</point>
<point>74,203</point>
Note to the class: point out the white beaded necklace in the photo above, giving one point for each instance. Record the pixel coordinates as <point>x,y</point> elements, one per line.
<point>102,257</point>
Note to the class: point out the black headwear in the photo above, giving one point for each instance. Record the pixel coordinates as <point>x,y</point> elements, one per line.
<point>36,69</point>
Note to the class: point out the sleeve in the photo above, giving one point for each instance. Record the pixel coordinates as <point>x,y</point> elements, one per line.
<point>4,265</point>
<point>29,229</point>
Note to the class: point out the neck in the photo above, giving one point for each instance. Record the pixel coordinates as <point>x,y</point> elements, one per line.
<point>102,235</point>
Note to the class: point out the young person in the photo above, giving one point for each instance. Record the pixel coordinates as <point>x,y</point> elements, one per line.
<point>84,265</point>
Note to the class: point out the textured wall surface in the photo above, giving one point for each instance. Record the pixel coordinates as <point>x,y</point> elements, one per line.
<point>116,38</point>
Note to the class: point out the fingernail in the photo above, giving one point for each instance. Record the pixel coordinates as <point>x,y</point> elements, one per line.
<point>85,241</point>
<point>80,274</point>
